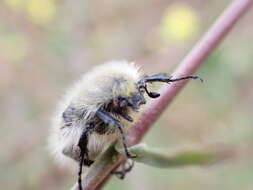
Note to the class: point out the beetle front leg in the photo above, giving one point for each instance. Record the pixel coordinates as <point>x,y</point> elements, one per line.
<point>110,120</point>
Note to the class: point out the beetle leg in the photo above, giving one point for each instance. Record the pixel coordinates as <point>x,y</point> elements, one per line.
<point>110,120</point>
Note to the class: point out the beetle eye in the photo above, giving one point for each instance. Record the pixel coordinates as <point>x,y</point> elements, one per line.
<point>142,90</point>
<point>122,101</point>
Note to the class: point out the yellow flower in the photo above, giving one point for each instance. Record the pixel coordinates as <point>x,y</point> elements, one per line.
<point>180,22</point>
<point>16,4</point>
<point>41,11</point>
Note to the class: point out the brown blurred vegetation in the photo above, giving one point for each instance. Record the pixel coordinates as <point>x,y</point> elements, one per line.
<point>46,45</point>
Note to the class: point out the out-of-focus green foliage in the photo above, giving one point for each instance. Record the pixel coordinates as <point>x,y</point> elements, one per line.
<point>46,44</point>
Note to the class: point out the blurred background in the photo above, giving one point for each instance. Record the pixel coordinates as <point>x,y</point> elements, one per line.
<point>45,45</point>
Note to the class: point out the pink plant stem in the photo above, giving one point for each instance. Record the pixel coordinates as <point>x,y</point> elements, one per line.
<point>190,64</point>
<point>96,179</point>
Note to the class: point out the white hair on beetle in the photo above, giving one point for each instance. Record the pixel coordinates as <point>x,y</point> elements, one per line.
<point>98,110</point>
<point>95,82</point>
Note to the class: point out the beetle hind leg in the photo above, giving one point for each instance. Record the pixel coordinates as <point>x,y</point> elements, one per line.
<point>84,154</point>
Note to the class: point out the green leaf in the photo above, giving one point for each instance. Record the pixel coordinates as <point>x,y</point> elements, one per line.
<point>175,158</point>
